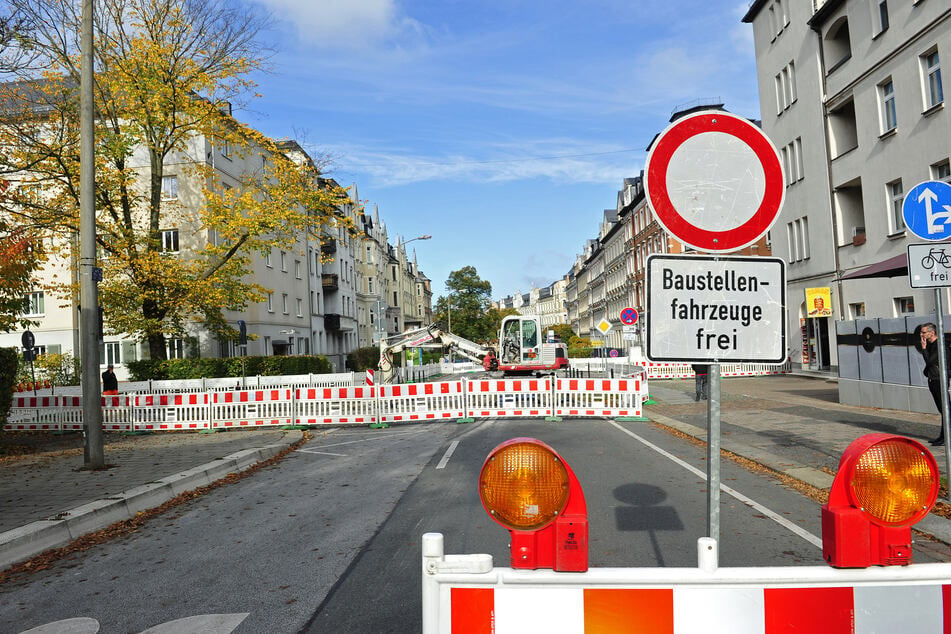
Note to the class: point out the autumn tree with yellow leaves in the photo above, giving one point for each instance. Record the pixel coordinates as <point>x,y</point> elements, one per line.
<point>167,72</point>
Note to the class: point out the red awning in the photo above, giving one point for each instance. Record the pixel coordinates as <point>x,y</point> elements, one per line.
<point>892,267</point>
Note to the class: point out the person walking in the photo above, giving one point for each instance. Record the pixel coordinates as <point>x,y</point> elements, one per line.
<point>700,371</point>
<point>929,350</point>
<point>110,384</point>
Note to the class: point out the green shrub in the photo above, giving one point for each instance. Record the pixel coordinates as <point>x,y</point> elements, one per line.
<point>9,358</point>
<point>365,358</point>
<point>165,369</point>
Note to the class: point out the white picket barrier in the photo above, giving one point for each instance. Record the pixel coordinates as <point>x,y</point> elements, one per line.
<point>335,405</point>
<point>509,397</point>
<point>422,401</point>
<point>166,412</point>
<point>34,413</point>
<point>116,412</point>
<point>252,408</point>
<point>600,397</point>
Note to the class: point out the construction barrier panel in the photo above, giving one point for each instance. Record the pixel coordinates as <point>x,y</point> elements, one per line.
<point>599,397</point>
<point>335,405</point>
<point>464,594</point>
<point>35,413</point>
<point>422,401</point>
<point>252,408</point>
<point>167,412</point>
<point>509,397</point>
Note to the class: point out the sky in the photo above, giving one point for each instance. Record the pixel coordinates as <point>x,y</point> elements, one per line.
<point>503,128</point>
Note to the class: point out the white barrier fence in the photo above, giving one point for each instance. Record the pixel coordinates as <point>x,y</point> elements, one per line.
<point>447,400</point>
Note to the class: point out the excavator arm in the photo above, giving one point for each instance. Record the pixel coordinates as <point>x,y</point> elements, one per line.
<point>427,336</point>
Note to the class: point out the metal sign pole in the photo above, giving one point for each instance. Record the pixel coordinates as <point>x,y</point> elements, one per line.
<point>713,451</point>
<point>942,369</point>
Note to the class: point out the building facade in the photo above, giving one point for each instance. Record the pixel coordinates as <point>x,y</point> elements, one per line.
<point>852,94</point>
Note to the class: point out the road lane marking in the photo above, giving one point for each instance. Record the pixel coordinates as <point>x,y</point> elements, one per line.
<point>376,438</point>
<point>782,521</point>
<point>446,456</point>
<point>322,453</point>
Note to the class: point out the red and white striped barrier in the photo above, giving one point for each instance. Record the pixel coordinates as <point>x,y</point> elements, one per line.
<point>422,401</point>
<point>599,397</point>
<point>35,413</point>
<point>165,412</point>
<point>465,594</point>
<point>252,408</point>
<point>510,397</point>
<point>335,405</point>
<point>369,377</point>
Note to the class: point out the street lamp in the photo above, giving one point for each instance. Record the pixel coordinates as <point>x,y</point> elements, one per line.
<point>425,236</point>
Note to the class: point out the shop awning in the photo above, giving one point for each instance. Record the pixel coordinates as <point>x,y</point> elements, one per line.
<point>892,267</point>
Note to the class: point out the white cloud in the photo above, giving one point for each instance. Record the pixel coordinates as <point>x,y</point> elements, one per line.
<point>353,24</point>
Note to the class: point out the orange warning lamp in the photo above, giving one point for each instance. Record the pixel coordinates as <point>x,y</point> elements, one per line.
<point>885,484</point>
<point>526,487</point>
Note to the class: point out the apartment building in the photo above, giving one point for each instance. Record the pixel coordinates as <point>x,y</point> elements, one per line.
<point>324,293</point>
<point>852,94</point>
<point>549,303</point>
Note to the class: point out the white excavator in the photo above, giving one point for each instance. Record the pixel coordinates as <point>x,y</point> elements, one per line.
<point>521,348</point>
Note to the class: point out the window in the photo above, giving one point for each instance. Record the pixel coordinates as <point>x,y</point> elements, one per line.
<point>270,302</point>
<point>800,171</point>
<point>370,285</point>
<point>886,93</point>
<point>225,148</point>
<point>34,304</point>
<point>896,197</point>
<point>110,353</point>
<point>170,186</point>
<point>284,303</point>
<point>882,15</point>
<point>905,305</point>
<point>931,67</point>
<point>941,171</point>
<point>300,307</point>
<point>267,260</point>
<point>283,261</point>
<point>857,310</point>
<point>176,348</point>
<point>170,241</point>
<point>297,269</point>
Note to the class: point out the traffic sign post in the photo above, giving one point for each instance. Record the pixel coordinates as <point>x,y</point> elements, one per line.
<point>714,181</point>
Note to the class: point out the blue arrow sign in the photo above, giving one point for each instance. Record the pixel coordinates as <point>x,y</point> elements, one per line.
<point>927,210</point>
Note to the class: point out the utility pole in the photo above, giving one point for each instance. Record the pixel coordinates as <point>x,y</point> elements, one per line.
<point>88,272</point>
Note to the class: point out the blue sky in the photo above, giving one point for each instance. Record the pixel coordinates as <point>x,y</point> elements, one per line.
<point>503,128</point>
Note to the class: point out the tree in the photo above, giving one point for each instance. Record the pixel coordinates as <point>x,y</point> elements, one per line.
<point>466,306</point>
<point>167,74</point>
<point>563,332</point>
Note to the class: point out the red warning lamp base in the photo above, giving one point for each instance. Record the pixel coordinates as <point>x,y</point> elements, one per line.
<point>561,546</point>
<point>850,540</point>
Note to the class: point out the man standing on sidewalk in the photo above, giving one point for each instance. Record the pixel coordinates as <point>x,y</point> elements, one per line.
<point>110,384</point>
<point>700,371</point>
<point>929,350</point>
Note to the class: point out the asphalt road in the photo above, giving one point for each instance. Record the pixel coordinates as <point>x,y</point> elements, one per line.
<point>328,540</point>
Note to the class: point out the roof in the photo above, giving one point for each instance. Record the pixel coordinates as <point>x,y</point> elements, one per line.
<point>892,267</point>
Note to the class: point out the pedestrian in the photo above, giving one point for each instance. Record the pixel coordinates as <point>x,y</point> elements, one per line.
<point>929,350</point>
<point>700,371</point>
<point>110,384</point>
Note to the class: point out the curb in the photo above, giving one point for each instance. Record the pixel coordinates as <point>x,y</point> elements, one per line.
<point>20,544</point>
<point>934,525</point>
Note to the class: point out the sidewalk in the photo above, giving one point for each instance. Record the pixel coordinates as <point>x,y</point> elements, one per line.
<point>792,424</point>
<point>48,501</point>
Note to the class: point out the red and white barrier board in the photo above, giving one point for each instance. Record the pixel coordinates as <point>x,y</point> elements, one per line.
<point>510,397</point>
<point>465,594</point>
<point>253,408</point>
<point>166,412</point>
<point>599,397</point>
<point>35,413</point>
<point>422,401</point>
<point>335,405</point>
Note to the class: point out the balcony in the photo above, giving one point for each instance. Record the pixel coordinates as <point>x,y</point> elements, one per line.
<point>328,281</point>
<point>332,322</point>
<point>329,247</point>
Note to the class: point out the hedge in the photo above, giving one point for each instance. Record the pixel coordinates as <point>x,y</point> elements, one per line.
<point>9,358</point>
<point>165,369</point>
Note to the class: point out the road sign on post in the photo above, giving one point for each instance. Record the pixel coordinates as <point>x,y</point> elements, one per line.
<point>927,211</point>
<point>714,181</point>
<point>628,316</point>
<point>716,309</point>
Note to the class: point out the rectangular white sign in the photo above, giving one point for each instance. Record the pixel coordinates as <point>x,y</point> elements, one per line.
<point>716,309</point>
<point>929,265</point>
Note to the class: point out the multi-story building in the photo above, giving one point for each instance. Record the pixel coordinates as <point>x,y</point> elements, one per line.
<point>549,303</point>
<point>852,94</point>
<point>325,294</point>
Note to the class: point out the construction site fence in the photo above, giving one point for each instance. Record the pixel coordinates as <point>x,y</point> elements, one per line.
<point>451,400</point>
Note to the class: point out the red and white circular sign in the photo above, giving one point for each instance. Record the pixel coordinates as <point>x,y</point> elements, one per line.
<point>714,181</point>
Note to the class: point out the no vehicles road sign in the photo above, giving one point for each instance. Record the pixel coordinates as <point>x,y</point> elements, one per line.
<point>719,309</point>
<point>714,181</point>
